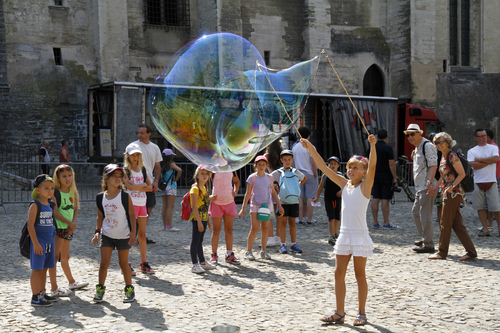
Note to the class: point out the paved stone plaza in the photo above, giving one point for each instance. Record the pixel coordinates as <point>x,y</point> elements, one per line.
<point>290,293</point>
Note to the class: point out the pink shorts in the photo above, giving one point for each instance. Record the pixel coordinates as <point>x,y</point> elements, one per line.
<point>216,210</point>
<point>141,211</point>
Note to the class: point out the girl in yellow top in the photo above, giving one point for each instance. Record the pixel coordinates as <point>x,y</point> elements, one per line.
<point>65,213</point>
<point>199,219</point>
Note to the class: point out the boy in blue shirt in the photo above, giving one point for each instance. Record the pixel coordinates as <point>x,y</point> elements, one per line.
<point>42,235</point>
<point>288,181</point>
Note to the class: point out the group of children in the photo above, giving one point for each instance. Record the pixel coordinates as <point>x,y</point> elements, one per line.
<point>120,214</point>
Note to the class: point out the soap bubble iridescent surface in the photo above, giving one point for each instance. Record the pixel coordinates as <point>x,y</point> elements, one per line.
<point>219,105</point>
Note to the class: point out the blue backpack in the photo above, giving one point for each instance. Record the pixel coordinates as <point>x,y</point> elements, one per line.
<point>289,187</point>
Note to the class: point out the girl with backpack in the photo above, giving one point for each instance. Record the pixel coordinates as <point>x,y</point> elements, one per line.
<point>170,175</point>
<point>65,212</point>
<point>114,214</point>
<point>138,183</point>
<point>224,207</point>
<point>199,219</point>
<point>452,172</point>
<point>260,188</point>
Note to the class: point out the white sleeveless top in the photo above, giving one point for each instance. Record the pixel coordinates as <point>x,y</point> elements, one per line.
<point>354,238</point>
<point>138,197</point>
<point>115,223</point>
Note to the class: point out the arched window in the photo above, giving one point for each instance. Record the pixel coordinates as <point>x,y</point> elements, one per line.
<point>373,82</point>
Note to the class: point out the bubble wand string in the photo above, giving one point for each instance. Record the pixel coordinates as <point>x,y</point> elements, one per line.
<point>361,119</point>
<point>283,105</point>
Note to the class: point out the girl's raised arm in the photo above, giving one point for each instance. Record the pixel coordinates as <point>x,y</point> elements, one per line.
<point>337,179</point>
<point>366,186</point>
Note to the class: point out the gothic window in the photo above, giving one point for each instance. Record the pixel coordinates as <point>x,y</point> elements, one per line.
<point>459,32</point>
<point>166,14</point>
<point>373,82</point>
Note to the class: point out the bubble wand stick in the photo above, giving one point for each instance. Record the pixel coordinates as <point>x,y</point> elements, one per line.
<point>361,119</point>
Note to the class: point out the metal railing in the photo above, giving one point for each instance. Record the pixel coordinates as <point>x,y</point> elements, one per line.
<point>16,179</point>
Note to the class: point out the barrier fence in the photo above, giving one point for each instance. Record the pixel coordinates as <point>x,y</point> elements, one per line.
<point>16,179</point>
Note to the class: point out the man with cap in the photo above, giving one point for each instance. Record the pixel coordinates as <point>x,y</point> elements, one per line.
<point>424,170</point>
<point>385,179</point>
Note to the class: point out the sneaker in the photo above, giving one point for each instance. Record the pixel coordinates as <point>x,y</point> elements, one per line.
<point>38,300</point>
<point>300,223</point>
<point>390,226</point>
<point>99,293</point>
<point>60,292</point>
<point>48,298</point>
<point>146,269</point>
<point>129,294</point>
<point>214,258</point>
<point>171,228</point>
<point>77,285</point>
<point>207,265</point>
<point>131,269</point>
<point>490,229</point>
<point>376,226</point>
<point>249,255</point>
<point>271,242</point>
<point>312,223</point>
<point>283,249</point>
<point>483,233</point>
<point>295,248</point>
<point>332,240</point>
<point>196,268</point>
<point>264,255</point>
<point>231,259</point>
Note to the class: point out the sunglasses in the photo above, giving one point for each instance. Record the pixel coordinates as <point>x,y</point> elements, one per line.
<point>439,143</point>
<point>359,158</point>
<point>61,169</point>
<point>410,134</point>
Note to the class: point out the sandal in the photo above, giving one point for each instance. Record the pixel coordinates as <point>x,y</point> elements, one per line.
<point>360,319</point>
<point>331,319</point>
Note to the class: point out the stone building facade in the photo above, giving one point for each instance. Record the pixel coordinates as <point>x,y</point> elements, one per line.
<point>440,54</point>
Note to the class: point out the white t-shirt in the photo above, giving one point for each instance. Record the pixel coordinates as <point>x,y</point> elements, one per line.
<point>486,174</point>
<point>138,197</point>
<point>115,224</point>
<point>302,158</point>
<point>151,155</point>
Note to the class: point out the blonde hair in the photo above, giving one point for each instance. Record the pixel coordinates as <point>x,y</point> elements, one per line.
<point>105,177</point>
<point>197,172</point>
<point>126,161</point>
<point>72,186</point>
<point>358,159</point>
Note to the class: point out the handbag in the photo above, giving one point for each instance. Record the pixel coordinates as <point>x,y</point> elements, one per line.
<point>162,185</point>
<point>484,186</point>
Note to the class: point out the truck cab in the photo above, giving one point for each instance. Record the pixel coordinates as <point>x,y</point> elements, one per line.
<point>413,114</point>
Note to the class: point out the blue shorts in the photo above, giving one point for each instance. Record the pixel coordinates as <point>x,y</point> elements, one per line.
<point>45,260</point>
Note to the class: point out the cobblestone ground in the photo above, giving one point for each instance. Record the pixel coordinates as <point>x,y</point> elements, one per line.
<point>290,293</point>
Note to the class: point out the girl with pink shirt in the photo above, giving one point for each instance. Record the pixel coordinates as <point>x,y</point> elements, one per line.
<point>225,188</point>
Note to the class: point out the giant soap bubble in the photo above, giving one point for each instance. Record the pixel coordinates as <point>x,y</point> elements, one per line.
<point>219,105</point>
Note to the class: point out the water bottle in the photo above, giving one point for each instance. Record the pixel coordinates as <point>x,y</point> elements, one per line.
<point>263,213</point>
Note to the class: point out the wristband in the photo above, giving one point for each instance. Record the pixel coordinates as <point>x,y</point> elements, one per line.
<point>98,231</point>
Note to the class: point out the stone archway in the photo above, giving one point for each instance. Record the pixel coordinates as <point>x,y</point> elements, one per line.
<point>373,82</point>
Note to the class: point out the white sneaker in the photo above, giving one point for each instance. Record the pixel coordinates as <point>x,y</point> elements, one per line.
<point>277,240</point>
<point>249,255</point>
<point>172,229</point>
<point>271,241</point>
<point>208,265</point>
<point>196,268</point>
<point>264,255</point>
<point>60,292</point>
<point>77,285</point>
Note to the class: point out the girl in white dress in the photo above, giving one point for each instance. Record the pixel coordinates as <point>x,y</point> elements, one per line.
<point>354,239</point>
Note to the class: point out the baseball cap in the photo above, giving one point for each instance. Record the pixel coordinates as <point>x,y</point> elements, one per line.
<point>261,158</point>
<point>132,149</point>
<point>167,152</point>
<point>38,180</point>
<point>335,158</point>
<point>110,168</point>
<point>286,152</point>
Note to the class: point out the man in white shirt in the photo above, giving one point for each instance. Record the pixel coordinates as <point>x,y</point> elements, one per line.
<point>45,157</point>
<point>483,159</point>
<point>305,164</point>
